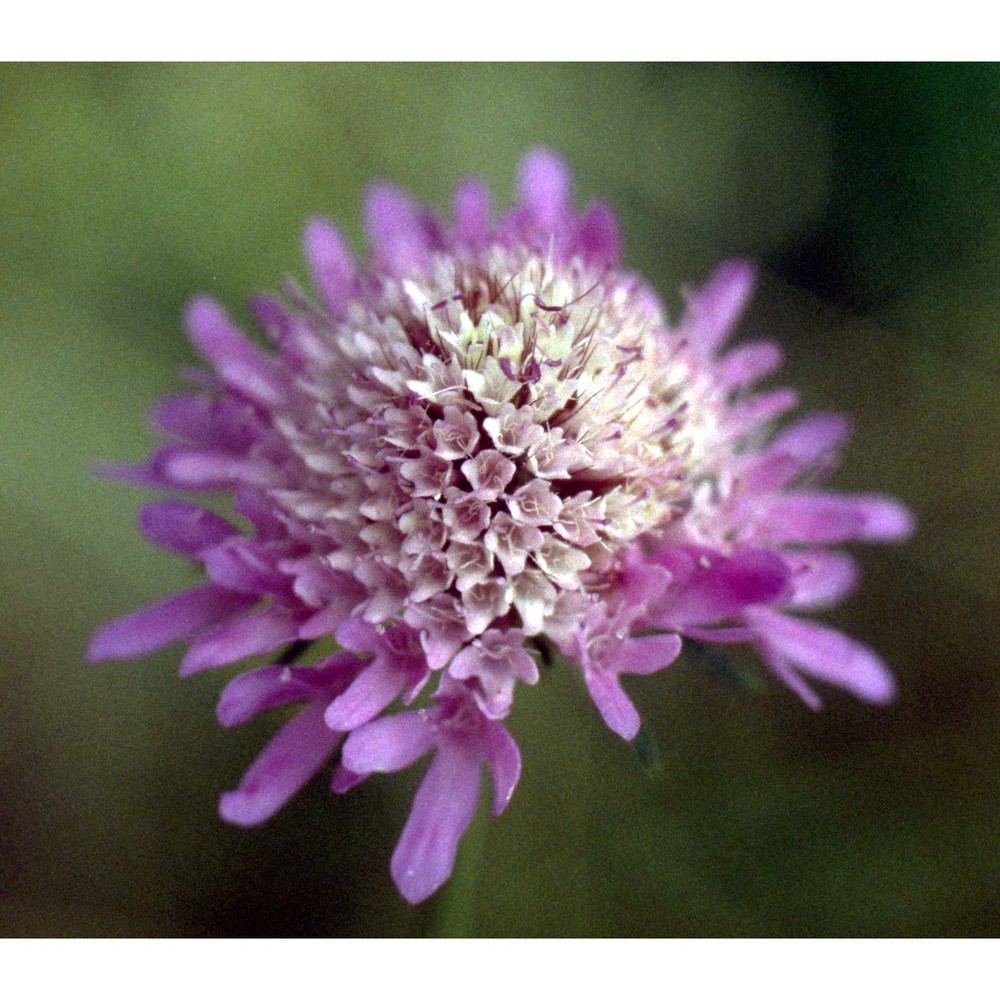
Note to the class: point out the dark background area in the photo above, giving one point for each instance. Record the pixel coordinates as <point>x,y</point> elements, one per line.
<point>869,196</point>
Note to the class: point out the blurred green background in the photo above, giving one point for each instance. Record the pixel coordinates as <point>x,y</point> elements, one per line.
<point>869,195</point>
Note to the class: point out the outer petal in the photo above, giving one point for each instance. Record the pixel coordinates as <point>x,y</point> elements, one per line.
<point>442,811</point>
<point>545,185</point>
<point>259,632</point>
<point>598,238</point>
<point>183,528</point>
<point>813,438</point>
<point>401,234</point>
<point>717,587</point>
<point>390,743</point>
<point>642,581</point>
<point>359,635</point>
<point>225,424</point>
<point>647,655</point>
<point>613,704</point>
<point>243,368</point>
<point>180,467</point>
<point>824,654</point>
<point>297,751</point>
<point>344,780</point>
<point>274,319</point>
<point>820,578</point>
<point>375,688</point>
<point>763,473</point>
<point>206,469</point>
<point>747,364</point>
<point>471,207</point>
<point>793,680</point>
<point>829,518</point>
<point>505,764</point>
<point>145,475</point>
<point>327,620</point>
<point>247,565</point>
<point>256,505</point>
<point>178,617</point>
<point>331,263</point>
<point>748,415</point>
<point>714,309</point>
<point>274,687</point>
<point>724,635</point>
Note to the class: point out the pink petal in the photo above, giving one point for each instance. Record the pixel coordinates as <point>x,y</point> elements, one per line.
<point>787,675</point>
<point>717,587</point>
<point>768,472</point>
<point>258,632</point>
<point>183,527</point>
<point>257,506</point>
<point>642,581</point>
<point>442,811</point>
<point>297,751</point>
<point>714,309</point>
<point>820,578</point>
<point>471,209</point>
<point>343,780</point>
<point>240,364</point>
<point>825,655</point>
<point>376,687</point>
<point>202,469</point>
<point>545,185</point>
<point>505,764</point>
<point>218,424</point>
<point>271,316</point>
<point>751,413</point>
<point>332,264</point>
<point>812,439</point>
<point>389,744</point>
<point>830,518</point>
<point>439,647</point>
<point>359,635</point>
<point>144,475</point>
<point>747,364</point>
<point>614,705</point>
<point>400,233</point>
<point>326,621</point>
<point>247,565</point>
<point>598,238</point>
<point>647,654</point>
<point>179,617</point>
<point>274,687</point>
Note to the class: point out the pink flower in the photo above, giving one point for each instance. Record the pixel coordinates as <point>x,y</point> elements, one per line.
<point>462,738</point>
<point>485,441</point>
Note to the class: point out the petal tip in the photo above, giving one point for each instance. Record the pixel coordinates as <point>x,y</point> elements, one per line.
<point>201,314</point>
<point>898,522</point>
<point>241,809</point>
<point>97,651</point>
<point>879,686</point>
<point>736,279</point>
<point>545,183</point>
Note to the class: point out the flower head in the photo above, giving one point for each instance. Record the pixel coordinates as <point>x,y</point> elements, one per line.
<point>486,441</point>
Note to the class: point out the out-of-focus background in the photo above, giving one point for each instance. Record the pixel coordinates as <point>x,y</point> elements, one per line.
<point>869,196</point>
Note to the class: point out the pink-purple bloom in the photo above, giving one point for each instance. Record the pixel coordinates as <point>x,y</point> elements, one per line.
<point>486,442</point>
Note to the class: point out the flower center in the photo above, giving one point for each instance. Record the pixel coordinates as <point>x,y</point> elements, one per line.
<point>482,439</point>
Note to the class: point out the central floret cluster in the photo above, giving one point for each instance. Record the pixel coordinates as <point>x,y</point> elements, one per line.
<point>486,441</point>
<point>480,444</point>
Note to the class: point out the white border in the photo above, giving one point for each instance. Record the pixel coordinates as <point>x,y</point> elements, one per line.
<point>523,30</point>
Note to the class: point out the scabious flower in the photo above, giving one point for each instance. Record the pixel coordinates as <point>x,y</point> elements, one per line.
<point>487,442</point>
